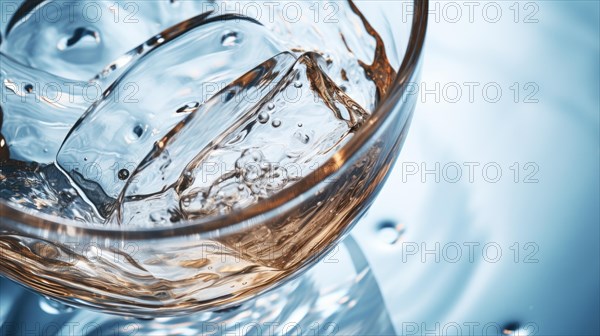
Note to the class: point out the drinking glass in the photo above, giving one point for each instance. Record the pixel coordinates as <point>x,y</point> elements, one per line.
<point>219,262</point>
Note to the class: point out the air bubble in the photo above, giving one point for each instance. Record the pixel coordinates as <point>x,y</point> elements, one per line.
<point>303,138</point>
<point>249,163</point>
<point>156,217</point>
<point>123,174</point>
<point>230,39</point>
<point>263,117</point>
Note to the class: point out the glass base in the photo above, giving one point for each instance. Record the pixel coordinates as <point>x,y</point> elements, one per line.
<point>338,296</point>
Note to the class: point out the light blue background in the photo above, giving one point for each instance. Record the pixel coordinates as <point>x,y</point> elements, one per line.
<point>559,294</point>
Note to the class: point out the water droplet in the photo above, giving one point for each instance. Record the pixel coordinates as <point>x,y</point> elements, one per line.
<point>189,107</point>
<point>29,88</point>
<point>45,150</point>
<point>156,217</point>
<point>230,95</point>
<point>271,106</point>
<point>263,117</point>
<point>53,307</point>
<point>300,125</point>
<point>514,328</point>
<point>390,232</point>
<point>138,131</point>
<point>230,39</point>
<point>80,35</point>
<point>241,187</point>
<point>319,203</point>
<point>276,123</point>
<point>297,84</point>
<point>303,138</point>
<point>123,174</point>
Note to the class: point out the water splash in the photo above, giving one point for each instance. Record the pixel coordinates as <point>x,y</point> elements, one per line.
<point>145,94</point>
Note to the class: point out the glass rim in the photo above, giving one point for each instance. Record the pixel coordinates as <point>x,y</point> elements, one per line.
<point>32,219</point>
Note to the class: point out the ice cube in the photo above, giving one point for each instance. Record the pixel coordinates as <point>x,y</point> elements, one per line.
<point>153,95</point>
<point>235,105</point>
<point>76,39</point>
<point>219,161</point>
